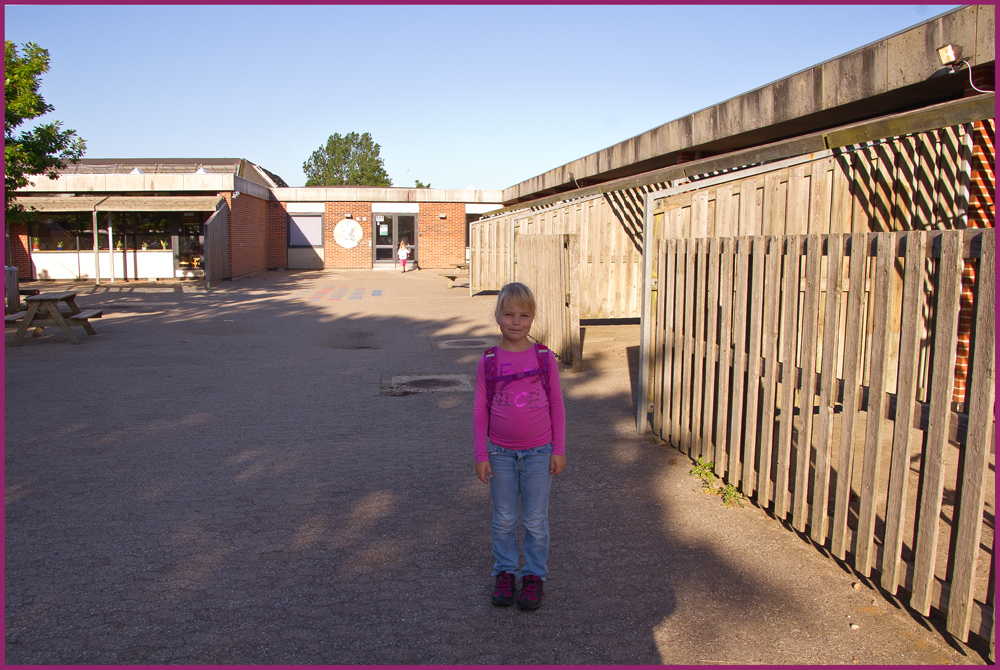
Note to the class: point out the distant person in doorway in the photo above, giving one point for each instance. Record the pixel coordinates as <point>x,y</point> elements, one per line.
<point>403,254</point>
<point>519,441</point>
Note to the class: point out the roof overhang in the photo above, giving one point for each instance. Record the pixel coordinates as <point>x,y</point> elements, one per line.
<point>893,75</point>
<point>118,203</point>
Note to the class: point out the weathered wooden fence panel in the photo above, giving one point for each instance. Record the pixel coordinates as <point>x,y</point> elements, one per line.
<point>548,264</point>
<point>12,295</point>
<point>890,474</point>
<point>491,254</point>
<point>608,227</point>
<point>217,247</point>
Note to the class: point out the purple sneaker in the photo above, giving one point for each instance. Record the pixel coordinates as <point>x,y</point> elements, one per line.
<point>531,593</point>
<point>503,594</point>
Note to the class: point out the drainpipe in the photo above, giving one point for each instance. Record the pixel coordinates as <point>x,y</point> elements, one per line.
<point>97,246</point>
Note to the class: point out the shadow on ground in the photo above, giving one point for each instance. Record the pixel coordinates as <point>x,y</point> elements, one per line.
<point>219,478</point>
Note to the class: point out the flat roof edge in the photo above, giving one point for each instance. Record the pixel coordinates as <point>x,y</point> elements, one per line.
<point>892,63</point>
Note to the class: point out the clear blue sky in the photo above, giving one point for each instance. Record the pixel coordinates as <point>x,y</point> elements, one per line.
<point>457,96</point>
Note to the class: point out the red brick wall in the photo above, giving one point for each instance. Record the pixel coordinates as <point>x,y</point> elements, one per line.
<point>982,214</point>
<point>247,234</point>
<point>982,189</point>
<point>19,251</point>
<point>337,257</point>
<point>441,241</point>
<point>277,235</point>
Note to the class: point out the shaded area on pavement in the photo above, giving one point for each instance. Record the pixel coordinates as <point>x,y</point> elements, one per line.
<point>220,478</point>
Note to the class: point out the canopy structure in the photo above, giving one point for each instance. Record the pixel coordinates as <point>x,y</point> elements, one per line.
<point>120,203</point>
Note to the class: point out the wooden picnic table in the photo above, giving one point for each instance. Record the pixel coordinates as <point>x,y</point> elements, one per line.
<point>459,269</point>
<point>44,310</point>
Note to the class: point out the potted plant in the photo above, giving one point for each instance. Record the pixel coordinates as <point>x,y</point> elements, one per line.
<point>34,244</point>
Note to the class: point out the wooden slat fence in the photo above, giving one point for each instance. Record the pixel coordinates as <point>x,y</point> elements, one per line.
<point>609,229</point>
<point>491,253</point>
<point>901,183</point>
<point>776,358</point>
<point>216,254</point>
<point>549,265</point>
<point>917,181</point>
<point>12,295</point>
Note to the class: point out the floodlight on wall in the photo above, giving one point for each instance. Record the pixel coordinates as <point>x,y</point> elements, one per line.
<point>442,215</point>
<point>951,55</point>
<point>236,194</point>
<point>348,216</point>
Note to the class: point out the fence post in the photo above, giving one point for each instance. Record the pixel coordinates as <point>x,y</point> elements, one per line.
<point>11,289</point>
<point>645,329</point>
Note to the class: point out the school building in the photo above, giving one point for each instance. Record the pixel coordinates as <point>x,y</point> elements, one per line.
<point>225,218</point>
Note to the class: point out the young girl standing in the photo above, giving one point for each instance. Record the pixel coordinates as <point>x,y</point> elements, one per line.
<point>403,253</point>
<point>519,437</point>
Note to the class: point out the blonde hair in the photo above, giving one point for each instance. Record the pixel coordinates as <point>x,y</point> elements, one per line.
<point>517,293</point>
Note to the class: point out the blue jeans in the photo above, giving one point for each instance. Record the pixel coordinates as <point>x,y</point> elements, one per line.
<point>520,474</point>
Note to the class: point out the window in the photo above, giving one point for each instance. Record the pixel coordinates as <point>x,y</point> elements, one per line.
<point>305,231</point>
<point>63,232</point>
<point>142,230</point>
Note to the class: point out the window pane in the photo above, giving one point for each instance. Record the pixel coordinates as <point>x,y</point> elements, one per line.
<point>62,232</point>
<point>305,231</point>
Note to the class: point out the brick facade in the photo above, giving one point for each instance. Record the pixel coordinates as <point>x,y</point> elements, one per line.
<point>277,236</point>
<point>19,256</point>
<point>247,234</point>
<point>336,257</point>
<point>982,214</point>
<point>441,240</point>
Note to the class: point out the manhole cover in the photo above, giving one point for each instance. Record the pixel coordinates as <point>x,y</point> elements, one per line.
<point>402,385</point>
<point>433,383</point>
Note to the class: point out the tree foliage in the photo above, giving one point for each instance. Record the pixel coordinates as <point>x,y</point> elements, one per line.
<point>40,150</point>
<point>421,184</point>
<point>347,160</point>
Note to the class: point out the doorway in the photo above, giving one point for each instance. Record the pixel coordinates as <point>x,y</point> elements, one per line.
<point>388,231</point>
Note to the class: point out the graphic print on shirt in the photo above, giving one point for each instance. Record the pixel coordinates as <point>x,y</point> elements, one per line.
<point>530,399</point>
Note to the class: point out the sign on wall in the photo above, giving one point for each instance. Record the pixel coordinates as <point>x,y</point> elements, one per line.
<point>347,233</point>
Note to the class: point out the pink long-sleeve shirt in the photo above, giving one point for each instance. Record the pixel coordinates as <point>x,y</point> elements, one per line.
<point>520,417</point>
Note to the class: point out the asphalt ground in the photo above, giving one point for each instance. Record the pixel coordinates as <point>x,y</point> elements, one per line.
<point>280,471</point>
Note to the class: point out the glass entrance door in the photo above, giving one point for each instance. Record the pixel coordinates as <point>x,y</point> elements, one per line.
<point>389,231</point>
<point>406,225</point>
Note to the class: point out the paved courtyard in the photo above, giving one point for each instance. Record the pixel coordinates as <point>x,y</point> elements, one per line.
<point>279,471</point>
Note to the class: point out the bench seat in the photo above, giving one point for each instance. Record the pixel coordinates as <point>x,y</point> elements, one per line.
<point>85,314</point>
<point>82,316</point>
<point>453,276</point>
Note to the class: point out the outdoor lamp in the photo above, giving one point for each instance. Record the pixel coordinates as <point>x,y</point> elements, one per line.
<point>443,215</point>
<point>950,55</point>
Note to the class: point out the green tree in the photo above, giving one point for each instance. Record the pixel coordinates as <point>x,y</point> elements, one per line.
<point>421,184</point>
<point>348,160</point>
<point>39,150</point>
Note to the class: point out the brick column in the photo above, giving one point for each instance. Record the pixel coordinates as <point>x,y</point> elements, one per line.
<point>982,214</point>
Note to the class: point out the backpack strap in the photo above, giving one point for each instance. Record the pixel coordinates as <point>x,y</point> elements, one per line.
<point>543,364</point>
<point>491,375</point>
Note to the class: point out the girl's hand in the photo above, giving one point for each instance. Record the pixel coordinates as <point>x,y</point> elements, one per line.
<point>557,463</point>
<point>484,471</point>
